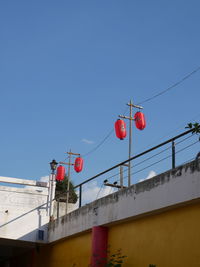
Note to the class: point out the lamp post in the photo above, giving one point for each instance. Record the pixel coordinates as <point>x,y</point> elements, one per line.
<point>53,166</point>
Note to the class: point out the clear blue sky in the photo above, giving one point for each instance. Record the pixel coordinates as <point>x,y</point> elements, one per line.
<point>68,68</point>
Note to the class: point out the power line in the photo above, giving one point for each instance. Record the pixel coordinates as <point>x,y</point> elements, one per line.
<point>144,101</point>
<point>171,87</point>
<point>101,143</point>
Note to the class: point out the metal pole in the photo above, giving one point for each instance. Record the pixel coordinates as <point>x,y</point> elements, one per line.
<point>135,157</point>
<point>68,183</point>
<point>58,208</point>
<point>51,193</point>
<point>130,144</point>
<point>121,176</point>
<point>173,155</point>
<point>80,195</point>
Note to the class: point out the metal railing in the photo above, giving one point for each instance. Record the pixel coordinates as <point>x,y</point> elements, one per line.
<point>172,156</point>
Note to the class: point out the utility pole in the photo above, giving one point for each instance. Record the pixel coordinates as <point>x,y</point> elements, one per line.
<point>130,118</point>
<point>69,174</point>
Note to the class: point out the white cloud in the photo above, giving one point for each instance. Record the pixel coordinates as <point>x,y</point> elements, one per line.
<point>89,142</point>
<point>150,175</point>
<point>92,191</point>
<point>44,178</point>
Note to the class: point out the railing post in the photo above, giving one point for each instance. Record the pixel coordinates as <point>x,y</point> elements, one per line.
<point>80,195</point>
<point>121,176</point>
<point>173,154</point>
<point>58,208</point>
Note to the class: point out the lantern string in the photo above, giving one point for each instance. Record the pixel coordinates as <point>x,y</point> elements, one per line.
<point>170,87</point>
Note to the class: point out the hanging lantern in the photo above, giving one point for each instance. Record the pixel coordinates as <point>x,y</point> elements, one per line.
<point>78,165</point>
<point>140,121</point>
<point>60,175</point>
<point>120,129</point>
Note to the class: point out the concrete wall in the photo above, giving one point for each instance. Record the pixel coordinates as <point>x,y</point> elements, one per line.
<point>172,188</point>
<point>153,222</point>
<point>73,252</point>
<point>170,238</point>
<point>24,211</point>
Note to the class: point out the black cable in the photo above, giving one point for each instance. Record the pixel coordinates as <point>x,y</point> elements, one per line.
<point>144,101</point>
<point>171,87</point>
<point>139,163</point>
<point>105,138</point>
<point>99,191</point>
<point>184,139</point>
<point>162,159</point>
<point>94,149</point>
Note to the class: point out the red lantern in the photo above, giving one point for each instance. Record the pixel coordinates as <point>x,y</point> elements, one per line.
<point>78,165</point>
<point>140,121</point>
<point>60,175</point>
<point>120,129</point>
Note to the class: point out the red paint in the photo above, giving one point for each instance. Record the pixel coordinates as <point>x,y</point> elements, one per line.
<point>120,129</point>
<point>78,165</point>
<point>140,121</point>
<point>60,175</point>
<point>99,246</point>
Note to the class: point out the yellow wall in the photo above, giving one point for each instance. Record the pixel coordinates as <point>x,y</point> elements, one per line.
<point>66,253</point>
<point>170,239</point>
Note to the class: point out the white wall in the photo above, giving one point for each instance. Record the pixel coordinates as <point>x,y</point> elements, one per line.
<point>24,211</point>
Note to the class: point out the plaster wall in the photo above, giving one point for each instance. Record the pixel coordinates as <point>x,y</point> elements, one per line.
<point>24,211</point>
<point>173,188</point>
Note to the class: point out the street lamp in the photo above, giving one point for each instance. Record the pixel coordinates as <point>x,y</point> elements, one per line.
<point>53,165</point>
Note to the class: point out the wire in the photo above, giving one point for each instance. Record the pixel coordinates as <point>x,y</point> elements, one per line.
<point>139,163</point>
<point>168,133</point>
<point>184,139</point>
<point>171,87</point>
<point>144,101</point>
<point>105,138</point>
<point>99,191</point>
<point>161,159</point>
<point>101,143</point>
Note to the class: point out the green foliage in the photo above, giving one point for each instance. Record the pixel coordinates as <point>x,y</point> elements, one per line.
<point>114,260</point>
<point>195,126</point>
<point>61,189</point>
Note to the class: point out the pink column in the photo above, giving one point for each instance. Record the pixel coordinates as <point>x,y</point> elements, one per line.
<point>99,246</point>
